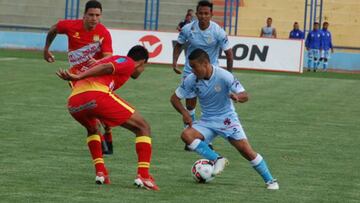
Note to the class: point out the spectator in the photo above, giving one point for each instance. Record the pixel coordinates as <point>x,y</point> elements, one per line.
<point>326,45</point>
<point>296,33</point>
<point>268,31</point>
<point>191,12</point>
<point>184,22</point>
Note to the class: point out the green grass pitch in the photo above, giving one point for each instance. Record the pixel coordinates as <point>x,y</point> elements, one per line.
<point>306,126</point>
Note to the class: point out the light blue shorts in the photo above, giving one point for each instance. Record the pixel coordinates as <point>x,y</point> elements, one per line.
<point>228,127</point>
<point>325,54</point>
<point>314,54</point>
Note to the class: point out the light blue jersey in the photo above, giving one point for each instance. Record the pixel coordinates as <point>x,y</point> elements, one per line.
<point>210,40</point>
<point>218,116</point>
<point>213,94</point>
<point>267,31</point>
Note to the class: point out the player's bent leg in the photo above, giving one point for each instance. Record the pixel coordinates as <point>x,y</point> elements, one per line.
<point>108,139</point>
<point>137,124</point>
<point>257,161</point>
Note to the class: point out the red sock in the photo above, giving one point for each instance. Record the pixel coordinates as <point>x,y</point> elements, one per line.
<point>108,136</point>
<point>94,144</point>
<point>143,150</point>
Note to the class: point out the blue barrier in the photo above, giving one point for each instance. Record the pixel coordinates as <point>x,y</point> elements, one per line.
<point>30,40</point>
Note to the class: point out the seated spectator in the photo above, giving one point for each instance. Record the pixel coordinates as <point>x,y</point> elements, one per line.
<point>296,33</point>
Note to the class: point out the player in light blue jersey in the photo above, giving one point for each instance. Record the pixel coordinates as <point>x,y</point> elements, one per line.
<point>205,34</point>
<point>326,46</point>
<point>313,45</point>
<point>216,88</point>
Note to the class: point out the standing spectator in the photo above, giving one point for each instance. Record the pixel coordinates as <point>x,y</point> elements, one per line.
<point>326,45</point>
<point>191,12</point>
<point>296,33</point>
<point>268,31</point>
<point>313,45</point>
<point>188,19</point>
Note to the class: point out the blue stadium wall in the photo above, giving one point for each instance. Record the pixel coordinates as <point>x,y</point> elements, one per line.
<point>29,40</point>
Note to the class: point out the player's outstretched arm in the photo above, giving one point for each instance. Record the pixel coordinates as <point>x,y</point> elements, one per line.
<point>241,97</point>
<point>176,54</point>
<point>176,103</point>
<point>48,56</point>
<point>101,69</point>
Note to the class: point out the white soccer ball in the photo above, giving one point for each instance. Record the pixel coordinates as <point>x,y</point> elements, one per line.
<point>202,171</point>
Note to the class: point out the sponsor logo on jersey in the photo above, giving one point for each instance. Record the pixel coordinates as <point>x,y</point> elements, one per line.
<point>76,35</point>
<point>120,60</point>
<point>83,54</point>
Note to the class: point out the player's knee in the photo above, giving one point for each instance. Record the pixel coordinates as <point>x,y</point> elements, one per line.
<point>187,136</point>
<point>92,130</point>
<point>321,59</point>
<point>143,128</point>
<point>325,60</point>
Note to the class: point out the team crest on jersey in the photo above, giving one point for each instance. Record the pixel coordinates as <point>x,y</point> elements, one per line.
<point>217,88</point>
<point>209,40</point>
<point>76,35</point>
<point>96,38</point>
<point>120,60</point>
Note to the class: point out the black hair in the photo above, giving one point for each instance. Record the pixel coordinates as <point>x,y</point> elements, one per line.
<point>92,4</point>
<point>269,18</point>
<point>296,23</point>
<point>204,3</point>
<point>316,23</point>
<point>325,23</point>
<point>189,10</point>
<point>138,53</point>
<point>200,55</point>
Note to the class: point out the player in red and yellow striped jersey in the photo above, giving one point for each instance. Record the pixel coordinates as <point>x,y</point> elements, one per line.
<point>93,99</point>
<point>88,41</point>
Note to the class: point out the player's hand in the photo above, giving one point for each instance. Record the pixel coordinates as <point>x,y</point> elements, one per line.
<point>177,69</point>
<point>65,75</point>
<point>307,48</point>
<point>241,97</point>
<point>90,62</point>
<point>48,56</point>
<point>187,119</point>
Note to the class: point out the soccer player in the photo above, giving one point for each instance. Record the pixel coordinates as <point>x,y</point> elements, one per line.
<point>93,99</point>
<point>215,89</point>
<point>296,33</point>
<point>326,45</point>
<point>268,31</point>
<point>207,35</point>
<point>313,44</point>
<point>89,40</point>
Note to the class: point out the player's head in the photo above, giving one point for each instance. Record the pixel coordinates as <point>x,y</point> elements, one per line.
<point>325,25</point>
<point>316,26</point>
<point>296,26</point>
<point>140,55</point>
<point>200,63</point>
<point>188,17</point>
<point>92,14</point>
<point>269,21</point>
<point>204,12</point>
<point>190,11</point>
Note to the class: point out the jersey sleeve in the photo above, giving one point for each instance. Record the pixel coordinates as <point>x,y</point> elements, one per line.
<point>106,46</point>
<point>223,40</point>
<point>62,26</point>
<point>234,84</point>
<point>186,89</point>
<point>183,36</point>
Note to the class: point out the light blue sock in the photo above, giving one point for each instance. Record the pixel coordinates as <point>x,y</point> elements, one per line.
<point>325,65</point>
<point>260,166</point>
<point>309,62</point>
<point>203,150</point>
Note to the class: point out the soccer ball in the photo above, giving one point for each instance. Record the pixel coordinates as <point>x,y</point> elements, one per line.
<point>201,171</point>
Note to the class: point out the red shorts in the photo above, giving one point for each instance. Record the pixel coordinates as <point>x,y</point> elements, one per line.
<point>110,109</point>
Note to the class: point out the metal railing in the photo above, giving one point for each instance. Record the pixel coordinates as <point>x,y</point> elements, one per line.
<point>72,9</point>
<point>230,7</point>
<point>313,8</point>
<point>151,17</point>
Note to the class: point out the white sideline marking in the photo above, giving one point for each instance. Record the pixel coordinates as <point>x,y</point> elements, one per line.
<point>8,59</point>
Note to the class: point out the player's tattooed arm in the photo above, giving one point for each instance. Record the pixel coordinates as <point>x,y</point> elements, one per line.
<point>48,56</point>
<point>229,60</point>
<point>176,103</point>
<point>101,69</point>
<point>176,54</point>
